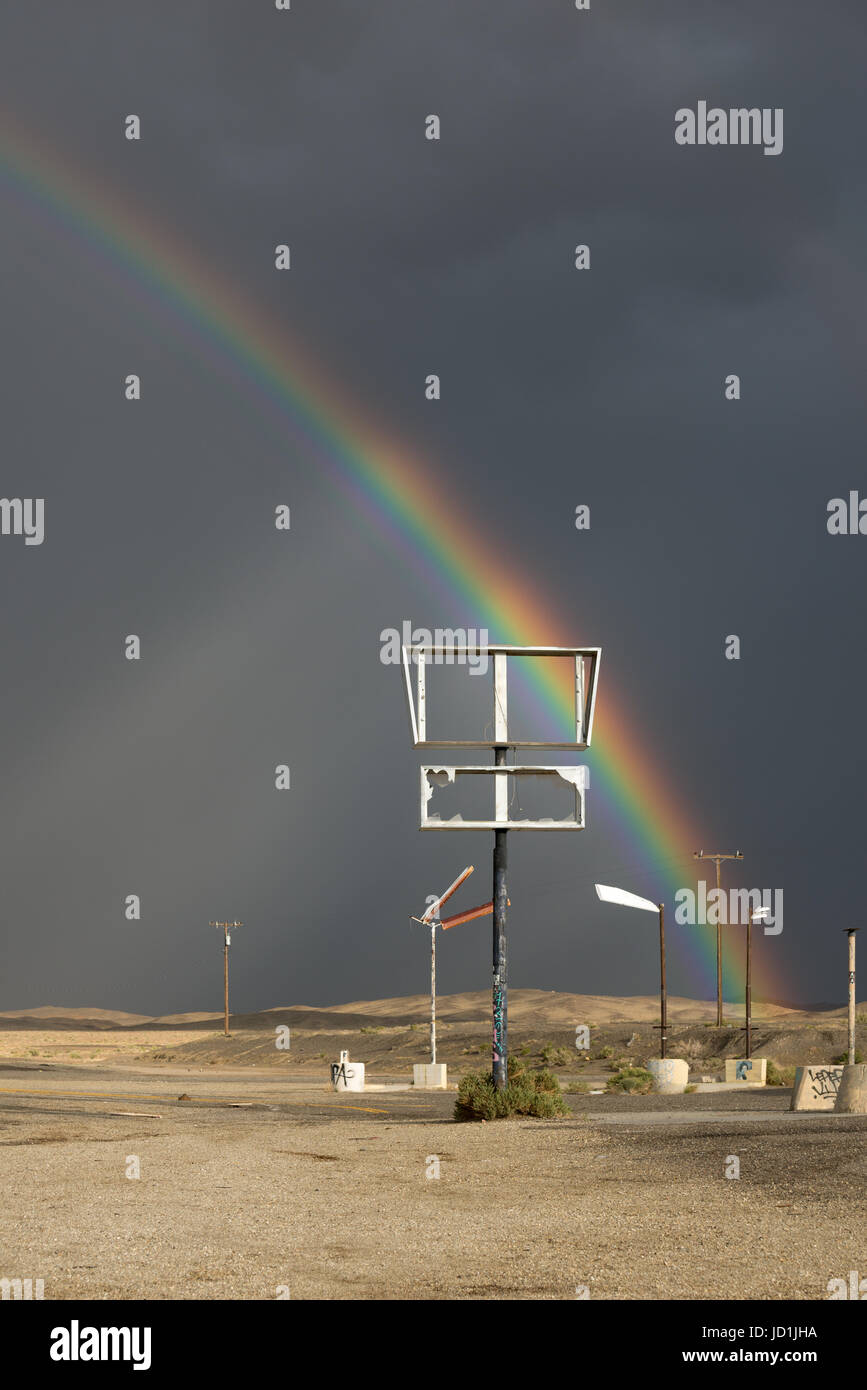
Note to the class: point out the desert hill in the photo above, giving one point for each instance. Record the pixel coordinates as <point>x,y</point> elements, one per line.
<point>529,1008</point>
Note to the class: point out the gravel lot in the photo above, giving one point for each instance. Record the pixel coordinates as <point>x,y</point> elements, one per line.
<point>327,1197</point>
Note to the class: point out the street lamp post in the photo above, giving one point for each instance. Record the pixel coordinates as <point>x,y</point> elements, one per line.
<point>850,931</point>
<point>755,916</point>
<point>607,894</point>
<point>663,997</point>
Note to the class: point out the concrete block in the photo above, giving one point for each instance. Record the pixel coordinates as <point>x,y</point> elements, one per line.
<point>429,1076</point>
<point>852,1095</point>
<point>753,1071</point>
<point>670,1075</point>
<point>346,1075</point>
<point>815,1088</point>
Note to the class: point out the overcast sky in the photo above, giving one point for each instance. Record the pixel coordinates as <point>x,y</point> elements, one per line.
<point>606,387</point>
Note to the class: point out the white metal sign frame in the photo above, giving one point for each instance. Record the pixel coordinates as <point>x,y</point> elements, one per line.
<point>431,776</point>
<point>585,693</point>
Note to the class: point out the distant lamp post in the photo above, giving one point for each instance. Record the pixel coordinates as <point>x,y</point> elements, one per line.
<point>624,899</point>
<point>850,932</point>
<point>755,916</point>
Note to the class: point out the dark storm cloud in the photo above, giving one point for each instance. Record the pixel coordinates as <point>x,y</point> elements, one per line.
<point>410,256</point>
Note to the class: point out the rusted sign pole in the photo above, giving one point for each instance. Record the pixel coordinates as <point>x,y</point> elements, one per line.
<point>446,922</point>
<point>433,990</point>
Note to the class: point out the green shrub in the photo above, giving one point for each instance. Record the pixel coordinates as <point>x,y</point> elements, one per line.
<point>577,1088</point>
<point>779,1076</point>
<point>527,1093</point>
<point>636,1080</point>
<point>555,1056</point>
<point>840,1061</point>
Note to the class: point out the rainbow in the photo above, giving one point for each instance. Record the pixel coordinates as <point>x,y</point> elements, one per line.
<point>397,492</point>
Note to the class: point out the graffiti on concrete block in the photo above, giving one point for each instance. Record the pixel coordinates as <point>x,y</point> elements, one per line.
<point>825,1082</point>
<point>741,1070</point>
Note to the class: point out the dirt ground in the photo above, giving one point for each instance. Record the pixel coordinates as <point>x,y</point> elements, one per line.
<point>253,1186</point>
<point>156,1158</point>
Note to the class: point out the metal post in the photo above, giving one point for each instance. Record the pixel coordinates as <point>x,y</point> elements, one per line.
<point>663,996</point>
<point>719,1003</point>
<point>500,1065</point>
<point>226,982</point>
<point>433,990</point>
<point>748,994</point>
<point>851,934</point>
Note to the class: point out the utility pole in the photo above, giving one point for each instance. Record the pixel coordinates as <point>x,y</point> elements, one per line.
<point>850,931</point>
<point>226,943</point>
<point>718,858</point>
